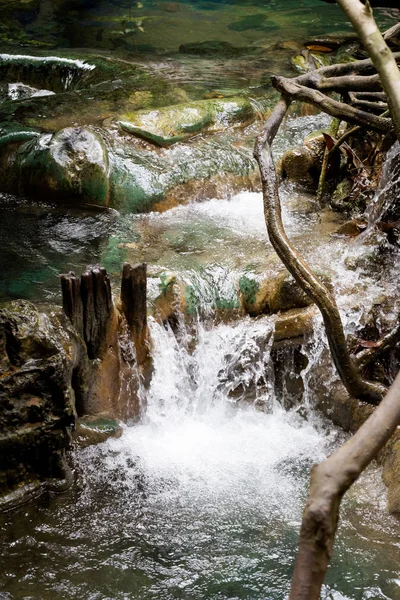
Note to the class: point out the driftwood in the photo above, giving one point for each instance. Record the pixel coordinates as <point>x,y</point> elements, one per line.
<point>340,110</point>
<point>363,87</point>
<point>333,477</point>
<point>383,59</point>
<point>329,481</point>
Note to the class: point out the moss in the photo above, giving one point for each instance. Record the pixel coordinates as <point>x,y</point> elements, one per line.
<point>248,288</point>
<point>191,301</point>
<point>171,124</point>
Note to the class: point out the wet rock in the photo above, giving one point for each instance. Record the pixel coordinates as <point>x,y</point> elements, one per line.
<point>95,429</point>
<point>307,61</point>
<point>296,165</point>
<point>175,299</point>
<point>349,414</point>
<point>390,458</point>
<point>255,294</point>
<point>340,198</point>
<point>210,48</point>
<point>172,124</point>
<point>294,324</point>
<point>333,40</point>
<point>37,411</point>
<point>352,228</point>
<point>285,294</point>
<point>69,165</point>
<point>315,142</point>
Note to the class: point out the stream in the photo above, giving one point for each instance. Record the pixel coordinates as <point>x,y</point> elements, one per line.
<point>202,499</point>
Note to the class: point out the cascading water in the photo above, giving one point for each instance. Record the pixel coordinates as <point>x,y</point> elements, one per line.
<point>203,498</point>
<point>388,188</point>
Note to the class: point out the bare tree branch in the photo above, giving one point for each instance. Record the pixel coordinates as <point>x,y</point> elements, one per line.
<point>329,481</point>
<point>384,61</point>
<point>392,32</point>
<point>340,110</point>
<point>299,269</point>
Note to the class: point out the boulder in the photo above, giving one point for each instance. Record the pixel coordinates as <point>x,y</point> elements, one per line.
<point>295,323</point>
<point>285,294</point>
<point>296,165</point>
<point>171,124</point>
<point>38,355</point>
<point>71,164</point>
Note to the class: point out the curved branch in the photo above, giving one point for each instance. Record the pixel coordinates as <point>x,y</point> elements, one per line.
<point>329,481</point>
<point>384,60</point>
<point>334,108</point>
<point>392,32</point>
<point>299,269</point>
<point>339,69</point>
<point>354,83</point>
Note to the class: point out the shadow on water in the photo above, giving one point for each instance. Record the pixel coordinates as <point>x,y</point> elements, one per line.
<point>38,242</point>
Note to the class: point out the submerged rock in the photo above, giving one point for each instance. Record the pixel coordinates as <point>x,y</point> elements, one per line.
<point>211,48</point>
<point>96,429</point>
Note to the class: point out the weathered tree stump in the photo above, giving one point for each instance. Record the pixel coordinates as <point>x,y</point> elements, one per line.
<point>134,306</point>
<point>72,301</point>
<point>88,304</point>
<point>97,309</point>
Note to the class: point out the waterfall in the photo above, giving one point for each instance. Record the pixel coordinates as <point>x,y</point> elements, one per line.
<point>388,189</point>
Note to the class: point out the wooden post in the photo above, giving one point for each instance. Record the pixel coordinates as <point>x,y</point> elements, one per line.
<point>134,306</point>
<point>71,300</point>
<point>88,304</point>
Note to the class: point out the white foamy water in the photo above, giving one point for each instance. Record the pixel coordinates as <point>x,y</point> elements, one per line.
<point>208,491</point>
<point>209,450</point>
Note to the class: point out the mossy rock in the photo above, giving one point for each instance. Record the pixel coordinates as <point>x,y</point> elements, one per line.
<point>296,165</point>
<point>168,125</point>
<point>70,164</point>
<point>254,294</point>
<point>307,61</point>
